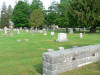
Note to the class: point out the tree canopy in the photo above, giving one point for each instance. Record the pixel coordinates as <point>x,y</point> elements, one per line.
<point>36,18</point>
<point>20,14</point>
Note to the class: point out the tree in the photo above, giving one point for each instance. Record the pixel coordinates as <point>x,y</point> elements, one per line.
<point>36,18</point>
<point>20,14</point>
<point>82,13</point>
<point>9,12</point>
<point>36,4</point>
<point>4,20</point>
<point>53,14</point>
<point>98,12</point>
<point>64,21</point>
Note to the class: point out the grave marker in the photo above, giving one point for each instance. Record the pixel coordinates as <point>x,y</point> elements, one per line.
<point>81,35</point>
<point>62,37</point>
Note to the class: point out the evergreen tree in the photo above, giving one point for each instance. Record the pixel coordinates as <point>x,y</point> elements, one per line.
<point>20,14</point>
<point>36,4</point>
<point>53,14</point>
<point>81,13</point>
<point>9,12</point>
<point>4,20</point>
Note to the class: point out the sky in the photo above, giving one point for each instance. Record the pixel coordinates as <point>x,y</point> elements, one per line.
<point>46,3</point>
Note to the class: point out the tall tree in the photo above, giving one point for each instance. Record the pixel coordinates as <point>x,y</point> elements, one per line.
<point>82,13</point>
<point>9,12</point>
<point>36,18</point>
<point>36,4</point>
<point>20,14</point>
<point>53,14</point>
<point>4,20</point>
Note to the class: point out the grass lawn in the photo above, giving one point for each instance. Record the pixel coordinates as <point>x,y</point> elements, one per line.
<point>92,69</point>
<point>25,57</point>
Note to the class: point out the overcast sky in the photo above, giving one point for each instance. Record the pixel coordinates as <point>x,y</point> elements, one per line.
<point>46,3</point>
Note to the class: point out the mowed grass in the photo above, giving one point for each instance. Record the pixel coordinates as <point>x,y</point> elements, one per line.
<point>91,69</point>
<point>25,57</point>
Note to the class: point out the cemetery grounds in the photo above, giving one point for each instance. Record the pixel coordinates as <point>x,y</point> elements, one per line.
<point>24,57</point>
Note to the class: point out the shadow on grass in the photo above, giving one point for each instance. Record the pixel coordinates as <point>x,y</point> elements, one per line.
<point>38,68</point>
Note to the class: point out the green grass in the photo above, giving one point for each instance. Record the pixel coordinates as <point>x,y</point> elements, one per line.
<point>25,58</point>
<point>92,69</point>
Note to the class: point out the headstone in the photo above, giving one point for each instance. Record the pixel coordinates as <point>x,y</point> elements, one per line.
<point>27,30</point>
<point>50,50</point>
<point>45,33</point>
<point>77,29</point>
<point>36,29</point>
<point>61,48</point>
<point>52,33</point>
<point>26,40</point>
<point>81,35</point>
<point>6,31</point>
<point>20,28</point>
<point>18,40</point>
<point>57,26</point>
<point>18,32</point>
<point>44,29</point>
<point>62,37</point>
<point>40,31</point>
<point>70,30</point>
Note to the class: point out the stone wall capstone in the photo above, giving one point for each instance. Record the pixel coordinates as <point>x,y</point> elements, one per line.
<point>57,62</point>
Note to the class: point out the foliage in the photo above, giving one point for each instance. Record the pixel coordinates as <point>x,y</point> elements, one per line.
<point>9,12</point>
<point>36,4</point>
<point>4,20</point>
<point>36,18</point>
<point>53,14</point>
<point>20,14</point>
<point>81,13</point>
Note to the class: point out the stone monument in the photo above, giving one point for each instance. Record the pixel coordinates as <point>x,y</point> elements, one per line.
<point>62,37</point>
<point>81,35</point>
<point>52,33</point>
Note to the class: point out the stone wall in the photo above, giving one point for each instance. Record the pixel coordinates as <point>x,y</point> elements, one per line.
<point>64,60</point>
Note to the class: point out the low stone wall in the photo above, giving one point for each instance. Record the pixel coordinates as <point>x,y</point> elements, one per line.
<point>61,61</point>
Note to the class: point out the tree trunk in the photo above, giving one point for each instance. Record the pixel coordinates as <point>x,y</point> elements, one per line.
<point>93,29</point>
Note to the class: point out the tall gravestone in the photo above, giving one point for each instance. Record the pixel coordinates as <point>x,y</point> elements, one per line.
<point>81,35</point>
<point>6,31</point>
<point>18,31</point>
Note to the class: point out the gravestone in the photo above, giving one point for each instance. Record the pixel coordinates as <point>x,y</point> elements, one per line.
<point>50,50</point>
<point>18,32</point>
<point>44,29</point>
<point>40,31</point>
<point>70,30</point>
<point>20,28</point>
<point>62,37</point>
<point>26,40</point>
<point>81,35</point>
<point>6,31</point>
<point>61,48</point>
<point>52,33</point>
<point>27,30</point>
<point>77,29</point>
<point>45,33</point>
<point>19,40</point>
